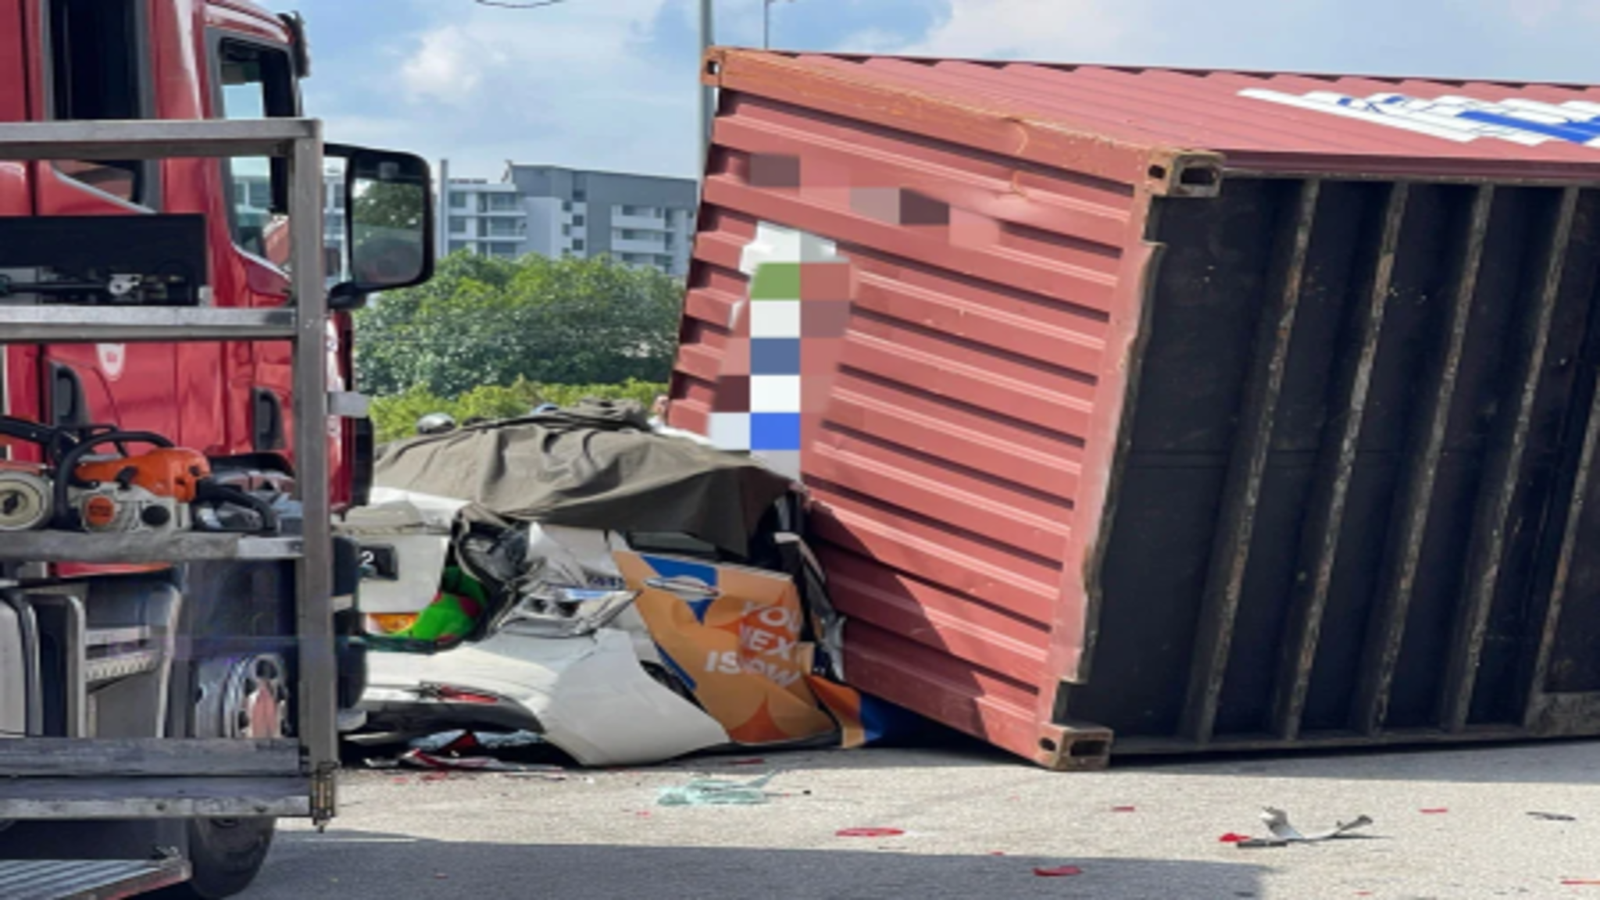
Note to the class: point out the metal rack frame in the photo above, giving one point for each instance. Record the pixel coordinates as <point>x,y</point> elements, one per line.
<point>175,777</point>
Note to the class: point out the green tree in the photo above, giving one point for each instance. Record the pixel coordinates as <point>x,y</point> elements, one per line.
<point>397,205</point>
<point>396,416</point>
<point>489,321</point>
<point>387,220</point>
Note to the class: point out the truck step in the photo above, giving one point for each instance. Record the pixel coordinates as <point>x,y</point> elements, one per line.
<point>91,880</point>
<point>115,653</point>
<point>111,668</point>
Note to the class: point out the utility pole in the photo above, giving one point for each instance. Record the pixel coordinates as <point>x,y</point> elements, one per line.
<point>707,93</point>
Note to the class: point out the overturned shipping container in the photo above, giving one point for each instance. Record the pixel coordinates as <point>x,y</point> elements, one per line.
<point>1156,410</point>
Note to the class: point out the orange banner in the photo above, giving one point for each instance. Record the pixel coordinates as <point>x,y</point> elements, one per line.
<point>732,634</point>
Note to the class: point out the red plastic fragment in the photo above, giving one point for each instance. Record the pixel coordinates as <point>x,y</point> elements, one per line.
<point>464,695</point>
<point>1234,838</point>
<point>1124,809</point>
<point>1581,882</point>
<point>997,853</point>
<point>1057,872</point>
<point>868,832</point>
<point>1433,812</point>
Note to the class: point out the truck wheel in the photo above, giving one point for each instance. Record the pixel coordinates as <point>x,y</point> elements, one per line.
<point>226,855</point>
<point>242,698</point>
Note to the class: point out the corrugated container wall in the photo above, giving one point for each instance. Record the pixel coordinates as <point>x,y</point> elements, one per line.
<point>1181,409</point>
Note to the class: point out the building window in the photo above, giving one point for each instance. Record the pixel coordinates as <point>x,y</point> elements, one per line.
<point>566,231</point>
<point>577,243</point>
<point>501,203</point>
<point>579,196</point>
<point>459,246</point>
<point>500,227</point>
<point>578,219</point>
<point>566,206</point>
<point>459,225</point>
<point>458,200</point>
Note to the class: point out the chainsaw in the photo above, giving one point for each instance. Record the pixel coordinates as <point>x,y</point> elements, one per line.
<point>156,491</point>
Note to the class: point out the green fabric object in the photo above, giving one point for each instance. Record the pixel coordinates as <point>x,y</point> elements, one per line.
<point>596,465</point>
<point>454,612</point>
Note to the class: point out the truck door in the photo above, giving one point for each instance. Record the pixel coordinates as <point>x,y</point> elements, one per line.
<point>94,62</point>
<point>254,78</point>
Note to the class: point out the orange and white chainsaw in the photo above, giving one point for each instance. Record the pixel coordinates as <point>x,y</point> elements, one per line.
<point>156,491</point>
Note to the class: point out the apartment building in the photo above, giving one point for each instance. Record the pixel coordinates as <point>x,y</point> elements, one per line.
<point>639,220</point>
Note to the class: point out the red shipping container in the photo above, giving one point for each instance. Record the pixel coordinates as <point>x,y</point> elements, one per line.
<point>1193,409</point>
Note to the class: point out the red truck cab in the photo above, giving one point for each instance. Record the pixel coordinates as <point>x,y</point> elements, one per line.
<point>180,632</point>
<point>168,59</point>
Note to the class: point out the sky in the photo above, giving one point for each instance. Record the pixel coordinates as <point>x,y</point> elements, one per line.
<point>611,84</point>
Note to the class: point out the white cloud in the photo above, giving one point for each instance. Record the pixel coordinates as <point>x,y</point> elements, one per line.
<point>449,67</point>
<point>1535,14</point>
<point>1041,29</point>
<point>486,85</point>
<point>873,40</point>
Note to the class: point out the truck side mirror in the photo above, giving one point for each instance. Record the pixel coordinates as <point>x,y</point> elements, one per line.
<point>388,222</point>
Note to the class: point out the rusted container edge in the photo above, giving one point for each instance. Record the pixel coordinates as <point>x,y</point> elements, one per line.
<point>1324,74</point>
<point>1507,173</point>
<point>1560,726</point>
<point>1159,170</point>
<point>1077,617</point>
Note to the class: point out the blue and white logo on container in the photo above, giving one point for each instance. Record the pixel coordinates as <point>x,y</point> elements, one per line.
<point>1460,119</point>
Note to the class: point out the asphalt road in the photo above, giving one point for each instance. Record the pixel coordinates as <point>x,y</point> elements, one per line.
<point>1451,824</point>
